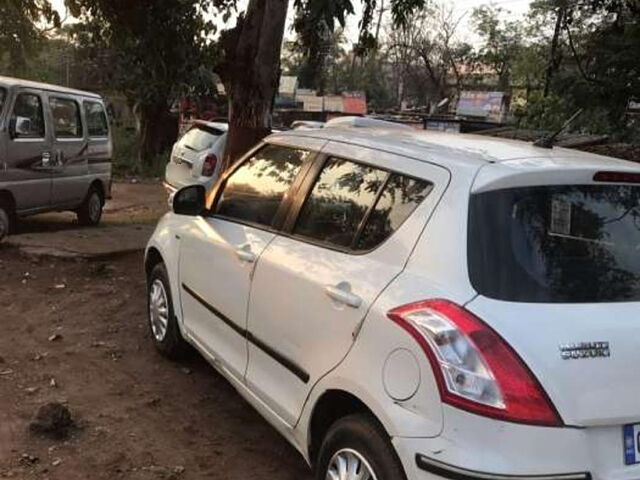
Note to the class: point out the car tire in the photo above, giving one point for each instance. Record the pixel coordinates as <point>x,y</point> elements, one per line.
<point>359,441</point>
<point>5,222</point>
<point>90,212</point>
<point>162,322</point>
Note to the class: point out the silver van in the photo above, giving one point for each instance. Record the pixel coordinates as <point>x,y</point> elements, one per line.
<point>55,152</point>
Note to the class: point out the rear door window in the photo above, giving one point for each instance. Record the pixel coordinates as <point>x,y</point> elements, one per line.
<point>97,123</point>
<point>339,201</point>
<point>572,243</point>
<point>28,116</point>
<point>67,122</point>
<point>400,197</point>
<point>253,193</point>
<point>199,138</point>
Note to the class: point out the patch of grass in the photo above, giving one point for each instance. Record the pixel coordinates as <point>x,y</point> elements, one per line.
<point>125,155</point>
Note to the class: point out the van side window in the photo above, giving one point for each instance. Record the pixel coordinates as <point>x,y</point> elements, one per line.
<point>96,117</point>
<point>28,116</point>
<point>66,118</point>
<point>253,193</point>
<point>400,197</point>
<point>339,201</point>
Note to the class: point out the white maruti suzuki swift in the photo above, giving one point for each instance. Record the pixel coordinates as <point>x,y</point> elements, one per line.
<point>415,305</point>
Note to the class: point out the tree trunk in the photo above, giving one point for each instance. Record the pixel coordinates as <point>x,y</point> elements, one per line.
<point>555,40</point>
<point>157,130</point>
<point>251,73</point>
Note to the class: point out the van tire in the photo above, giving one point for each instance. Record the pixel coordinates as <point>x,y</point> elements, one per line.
<point>362,434</point>
<point>5,221</point>
<point>90,212</point>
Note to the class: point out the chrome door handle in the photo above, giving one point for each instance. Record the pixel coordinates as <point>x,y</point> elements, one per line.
<point>342,293</point>
<point>245,254</point>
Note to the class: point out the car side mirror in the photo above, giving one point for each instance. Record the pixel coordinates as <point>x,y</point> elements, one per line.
<point>190,200</point>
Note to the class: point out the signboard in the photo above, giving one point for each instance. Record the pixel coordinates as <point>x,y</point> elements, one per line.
<point>485,105</point>
<point>355,103</point>
<point>333,103</point>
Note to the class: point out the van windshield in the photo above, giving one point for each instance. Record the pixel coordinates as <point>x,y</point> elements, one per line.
<point>552,244</point>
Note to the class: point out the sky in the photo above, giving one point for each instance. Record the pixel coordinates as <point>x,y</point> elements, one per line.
<point>515,8</point>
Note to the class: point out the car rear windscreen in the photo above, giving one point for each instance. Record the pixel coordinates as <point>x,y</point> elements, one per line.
<point>200,138</point>
<point>556,244</point>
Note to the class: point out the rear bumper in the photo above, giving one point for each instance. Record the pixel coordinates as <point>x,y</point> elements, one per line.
<point>444,470</point>
<point>472,447</point>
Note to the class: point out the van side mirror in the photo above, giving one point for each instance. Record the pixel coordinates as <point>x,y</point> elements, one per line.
<point>190,200</point>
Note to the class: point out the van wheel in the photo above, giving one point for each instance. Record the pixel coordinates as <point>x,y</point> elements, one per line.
<point>90,212</point>
<point>357,447</point>
<point>5,222</point>
<point>164,328</point>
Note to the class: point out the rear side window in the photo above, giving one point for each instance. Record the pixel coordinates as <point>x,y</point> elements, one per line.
<point>66,118</point>
<point>28,116</point>
<point>254,192</point>
<point>339,201</point>
<point>96,117</point>
<point>199,138</point>
<point>400,197</point>
<point>556,244</point>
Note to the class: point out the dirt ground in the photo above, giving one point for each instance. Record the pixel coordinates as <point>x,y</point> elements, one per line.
<point>131,203</point>
<point>75,332</point>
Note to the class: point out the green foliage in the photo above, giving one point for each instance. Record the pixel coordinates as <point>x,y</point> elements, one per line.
<point>316,21</point>
<point>19,29</point>
<point>125,155</point>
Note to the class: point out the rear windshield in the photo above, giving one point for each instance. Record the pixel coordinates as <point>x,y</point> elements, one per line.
<point>3,96</point>
<point>572,243</point>
<point>200,138</point>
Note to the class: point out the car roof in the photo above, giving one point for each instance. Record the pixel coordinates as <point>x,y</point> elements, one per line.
<point>461,149</point>
<point>13,82</point>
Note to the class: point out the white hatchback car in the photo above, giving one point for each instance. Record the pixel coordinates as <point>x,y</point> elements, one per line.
<point>414,305</point>
<point>196,158</point>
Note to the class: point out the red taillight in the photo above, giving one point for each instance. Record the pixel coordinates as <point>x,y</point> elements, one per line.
<point>475,368</point>
<point>617,177</point>
<point>209,165</point>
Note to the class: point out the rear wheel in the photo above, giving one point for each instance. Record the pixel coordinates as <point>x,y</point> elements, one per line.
<point>90,212</point>
<point>163,326</point>
<point>357,448</point>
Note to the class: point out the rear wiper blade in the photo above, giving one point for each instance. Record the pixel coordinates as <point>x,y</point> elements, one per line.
<point>548,141</point>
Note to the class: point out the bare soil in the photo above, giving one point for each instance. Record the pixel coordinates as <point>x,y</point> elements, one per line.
<point>75,332</point>
<point>132,203</point>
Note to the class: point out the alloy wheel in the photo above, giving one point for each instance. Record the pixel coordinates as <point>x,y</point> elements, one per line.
<point>347,464</point>
<point>158,310</point>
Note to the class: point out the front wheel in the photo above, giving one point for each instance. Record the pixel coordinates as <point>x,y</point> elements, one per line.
<point>163,326</point>
<point>357,448</point>
<point>90,212</point>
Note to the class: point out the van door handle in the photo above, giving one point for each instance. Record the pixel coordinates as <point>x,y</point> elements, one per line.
<point>245,254</point>
<point>342,293</point>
